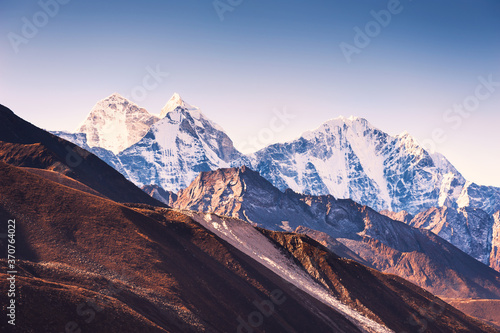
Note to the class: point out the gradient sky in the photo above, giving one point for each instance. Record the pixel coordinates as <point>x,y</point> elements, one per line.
<point>266,56</point>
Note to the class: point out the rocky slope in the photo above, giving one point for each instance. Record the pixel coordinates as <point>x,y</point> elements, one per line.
<point>387,245</point>
<point>114,268</point>
<point>345,278</point>
<point>160,194</point>
<point>469,229</point>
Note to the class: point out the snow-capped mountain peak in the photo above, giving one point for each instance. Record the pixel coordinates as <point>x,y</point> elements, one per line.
<point>177,147</point>
<point>173,103</point>
<point>115,95</point>
<point>339,125</point>
<point>115,123</point>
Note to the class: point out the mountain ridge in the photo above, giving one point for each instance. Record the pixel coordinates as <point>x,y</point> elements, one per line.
<point>345,157</point>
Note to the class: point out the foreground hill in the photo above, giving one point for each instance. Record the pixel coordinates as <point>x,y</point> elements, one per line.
<point>484,309</point>
<point>158,267</point>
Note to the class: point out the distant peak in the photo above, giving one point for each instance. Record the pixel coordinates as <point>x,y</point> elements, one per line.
<point>349,121</point>
<point>407,137</point>
<point>173,103</point>
<point>350,118</point>
<point>404,133</point>
<point>115,96</point>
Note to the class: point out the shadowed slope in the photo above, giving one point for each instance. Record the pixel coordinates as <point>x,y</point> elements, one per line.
<point>385,298</point>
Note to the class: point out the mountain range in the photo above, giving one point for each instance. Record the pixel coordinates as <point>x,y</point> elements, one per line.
<point>347,158</point>
<point>87,262</point>
<point>344,157</point>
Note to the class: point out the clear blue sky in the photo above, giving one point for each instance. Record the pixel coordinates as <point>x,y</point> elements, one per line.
<point>267,55</point>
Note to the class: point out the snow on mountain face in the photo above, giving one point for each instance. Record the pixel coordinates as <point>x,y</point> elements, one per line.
<point>469,229</point>
<point>486,198</point>
<point>80,139</point>
<point>115,123</point>
<point>176,149</point>
<point>169,152</point>
<point>174,102</point>
<point>349,158</point>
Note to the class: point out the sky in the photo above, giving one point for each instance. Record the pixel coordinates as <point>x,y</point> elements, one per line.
<point>266,71</point>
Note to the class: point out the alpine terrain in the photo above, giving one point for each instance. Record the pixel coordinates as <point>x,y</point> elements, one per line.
<point>344,157</point>
<point>86,262</point>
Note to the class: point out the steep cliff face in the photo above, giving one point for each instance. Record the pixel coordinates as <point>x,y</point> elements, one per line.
<point>495,245</point>
<point>469,229</point>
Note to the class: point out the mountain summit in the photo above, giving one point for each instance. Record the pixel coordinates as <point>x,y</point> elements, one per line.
<point>351,158</point>
<point>116,123</point>
<point>173,103</point>
<point>176,148</point>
